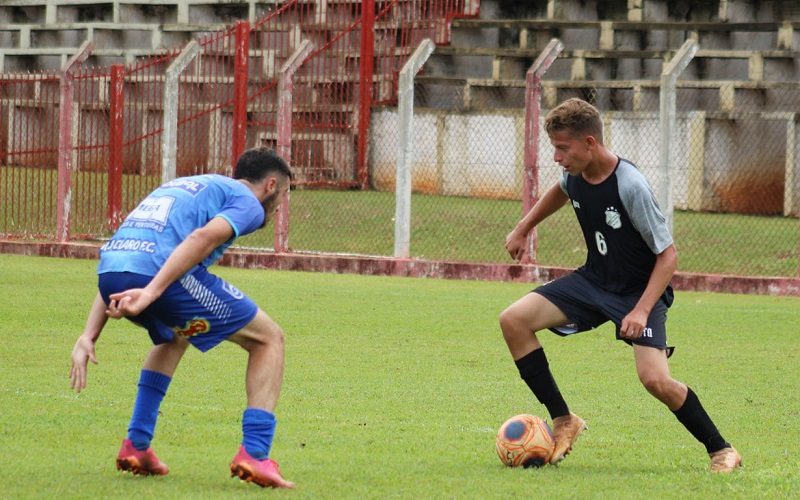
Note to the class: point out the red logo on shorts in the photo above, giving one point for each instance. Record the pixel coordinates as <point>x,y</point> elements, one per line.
<point>193,327</point>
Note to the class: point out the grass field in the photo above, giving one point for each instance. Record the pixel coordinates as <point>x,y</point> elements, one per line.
<point>466,229</point>
<point>394,388</point>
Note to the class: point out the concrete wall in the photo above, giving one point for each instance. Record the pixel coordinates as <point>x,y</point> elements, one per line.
<point>721,164</point>
<point>454,154</point>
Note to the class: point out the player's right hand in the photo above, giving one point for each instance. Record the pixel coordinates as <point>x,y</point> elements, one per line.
<point>81,354</point>
<point>515,245</point>
<point>129,303</point>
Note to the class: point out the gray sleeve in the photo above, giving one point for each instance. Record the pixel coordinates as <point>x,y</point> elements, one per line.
<point>563,183</point>
<point>640,204</point>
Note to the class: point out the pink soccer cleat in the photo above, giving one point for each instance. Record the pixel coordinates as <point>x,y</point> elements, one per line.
<point>264,473</point>
<point>143,463</point>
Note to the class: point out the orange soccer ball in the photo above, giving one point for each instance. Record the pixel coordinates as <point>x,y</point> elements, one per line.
<point>524,441</point>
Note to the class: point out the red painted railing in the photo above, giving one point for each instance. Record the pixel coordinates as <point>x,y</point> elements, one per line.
<point>228,102</point>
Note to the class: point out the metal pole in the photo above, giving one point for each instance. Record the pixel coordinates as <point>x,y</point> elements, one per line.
<point>241,60</point>
<point>169,145</point>
<point>666,122</point>
<point>283,126</point>
<point>115,132</point>
<point>790,198</point>
<point>405,111</point>
<point>365,88</point>
<point>533,110</point>
<point>65,118</point>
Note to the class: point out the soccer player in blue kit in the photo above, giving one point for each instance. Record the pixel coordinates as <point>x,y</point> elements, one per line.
<point>154,272</point>
<point>626,279</point>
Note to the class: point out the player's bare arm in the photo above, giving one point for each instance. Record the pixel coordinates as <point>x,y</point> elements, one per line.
<point>83,351</point>
<point>634,323</point>
<point>553,199</point>
<point>196,247</point>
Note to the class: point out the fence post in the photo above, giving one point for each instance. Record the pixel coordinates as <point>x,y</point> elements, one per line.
<point>666,123</point>
<point>65,139</point>
<point>790,197</point>
<point>697,160</point>
<point>116,110</point>
<point>240,70</point>
<point>405,110</point>
<point>169,144</point>
<point>365,88</point>
<point>533,111</point>
<point>790,186</point>
<point>283,127</point>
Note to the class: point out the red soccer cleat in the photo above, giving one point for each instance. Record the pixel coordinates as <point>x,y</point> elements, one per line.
<point>264,473</point>
<point>144,463</point>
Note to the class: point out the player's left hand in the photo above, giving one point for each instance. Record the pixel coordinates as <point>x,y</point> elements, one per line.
<point>633,325</point>
<point>81,354</point>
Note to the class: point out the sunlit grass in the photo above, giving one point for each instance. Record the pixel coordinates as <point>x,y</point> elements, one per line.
<point>394,388</point>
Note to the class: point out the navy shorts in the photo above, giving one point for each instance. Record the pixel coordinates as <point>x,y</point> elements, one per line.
<point>588,306</point>
<point>201,307</point>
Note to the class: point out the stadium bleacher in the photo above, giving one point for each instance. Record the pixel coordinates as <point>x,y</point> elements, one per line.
<point>620,40</point>
<point>616,52</point>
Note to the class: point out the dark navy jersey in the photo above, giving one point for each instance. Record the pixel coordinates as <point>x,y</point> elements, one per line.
<point>623,227</point>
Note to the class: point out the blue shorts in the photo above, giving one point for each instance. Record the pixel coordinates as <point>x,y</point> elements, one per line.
<point>201,307</point>
<point>588,306</point>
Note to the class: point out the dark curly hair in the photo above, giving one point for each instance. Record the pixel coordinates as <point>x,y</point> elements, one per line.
<point>256,163</point>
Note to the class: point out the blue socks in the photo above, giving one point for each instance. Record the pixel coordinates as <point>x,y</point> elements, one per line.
<point>258,428</point>
<point>152,388</point>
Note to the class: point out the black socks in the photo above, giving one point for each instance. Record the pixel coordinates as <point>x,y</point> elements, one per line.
<point>694,417</point>
<point>535,371</point>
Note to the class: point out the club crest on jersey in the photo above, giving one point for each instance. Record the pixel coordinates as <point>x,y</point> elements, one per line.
<point>193,327</point>
<point>613,218</point>
<point>232,290</point>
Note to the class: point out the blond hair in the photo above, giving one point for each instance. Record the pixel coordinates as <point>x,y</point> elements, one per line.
<point>577,117</point>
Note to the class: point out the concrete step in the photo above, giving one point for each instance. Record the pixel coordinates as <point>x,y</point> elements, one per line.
<point>606,34</point>
<point>723,96</point>
<point>714,64</point>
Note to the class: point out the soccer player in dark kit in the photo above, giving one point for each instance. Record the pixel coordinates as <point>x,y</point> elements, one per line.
<point>626,279</point>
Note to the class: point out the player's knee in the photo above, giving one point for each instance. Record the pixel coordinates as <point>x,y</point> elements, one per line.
<point>264,336</point>
<point>655,383</point>
<point>274,336</point>
<point>516,328</point>
<point>509,322</point>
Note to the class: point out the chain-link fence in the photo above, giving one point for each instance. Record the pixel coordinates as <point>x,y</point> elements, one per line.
<point>80,147</point>
<point>466,174</point>
<point>733,181</point>
<point>27,193</point>
<point>734,176</point>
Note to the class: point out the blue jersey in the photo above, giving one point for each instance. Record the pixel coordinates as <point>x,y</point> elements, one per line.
<point>169,214</point>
